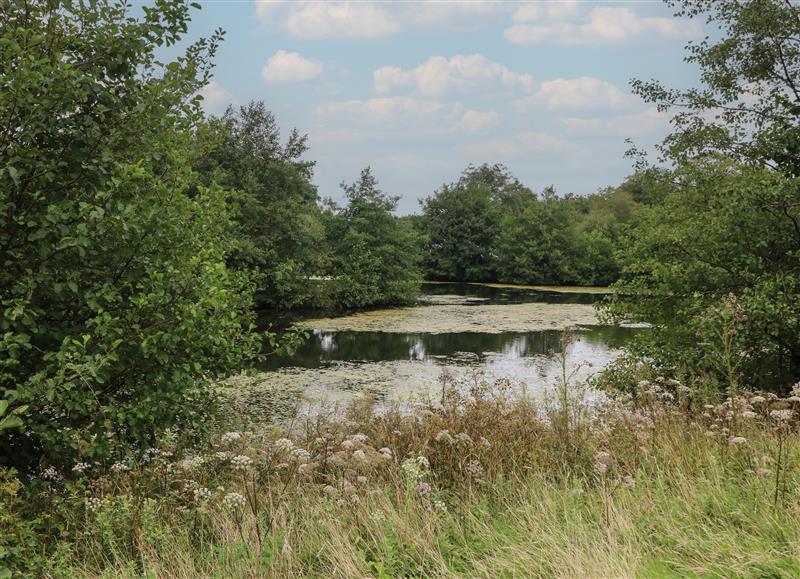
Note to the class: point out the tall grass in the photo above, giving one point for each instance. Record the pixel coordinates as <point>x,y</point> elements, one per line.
<point>480,482</point>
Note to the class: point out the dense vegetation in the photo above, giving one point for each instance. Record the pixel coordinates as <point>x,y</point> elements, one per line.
<point>717,259</point>
<point>487,226</point>
<point>138,237</point>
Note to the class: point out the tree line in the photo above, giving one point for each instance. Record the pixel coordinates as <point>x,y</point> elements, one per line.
<point>138,235</point>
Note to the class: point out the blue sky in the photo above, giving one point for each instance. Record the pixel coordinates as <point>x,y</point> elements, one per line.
<point>418,90</point>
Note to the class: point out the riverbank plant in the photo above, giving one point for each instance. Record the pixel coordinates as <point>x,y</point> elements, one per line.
<point>481,482</point>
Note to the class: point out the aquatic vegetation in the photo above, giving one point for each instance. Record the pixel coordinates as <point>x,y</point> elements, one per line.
<point>436,319</point>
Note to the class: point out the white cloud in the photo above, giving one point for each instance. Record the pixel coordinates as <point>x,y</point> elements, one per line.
<point>404,112</point>
<point>477,121</point>
<point>381,109</point>
<point>584,92</point>
<point>321,20</point>
<point>520,145</point>
<point>644,122</point>
<point>215,98</point>
<point>439,75</point>
<point>285,67</point>
<point>602,24</point>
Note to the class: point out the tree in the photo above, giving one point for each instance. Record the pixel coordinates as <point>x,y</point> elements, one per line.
<point>462,220</point>
<point>748,108</point>
<point>375,253</point>
<point>116,303</point>
<point>278,232</point>
<point>723,235</point>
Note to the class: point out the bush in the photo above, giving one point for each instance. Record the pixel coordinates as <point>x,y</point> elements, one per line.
<point>116,303</point>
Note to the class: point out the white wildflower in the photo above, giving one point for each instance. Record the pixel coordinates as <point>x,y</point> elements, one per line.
<point>300,455</point>
<point>234,501</point>
<point>229,437</point>
<point>120,467</point>
<point>757,400</point>
<point>443,436</point>
<point>201,494</point>
<point>737,440</point>
<point>629,481</point>
<point>81,467</point>
<point>241,462</point>
<point>283,445</point>
<point>93,504</point>
<point>781,415</point>
<point>359,455</point>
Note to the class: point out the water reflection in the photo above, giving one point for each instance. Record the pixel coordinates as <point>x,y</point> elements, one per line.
<point>324,347</point>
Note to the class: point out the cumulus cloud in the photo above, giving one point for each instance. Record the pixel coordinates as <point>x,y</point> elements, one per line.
<point>323,20</point>
<point>430,115</point>
<point>603,24</point>
<point>520,145</point>
<point>285,67</point>
<point>215,97</point>
<point>584,92</point>
<point>440,75</point>
<point>647,121</point>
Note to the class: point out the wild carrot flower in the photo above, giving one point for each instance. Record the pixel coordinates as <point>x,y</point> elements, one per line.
<point>463,438</point>
<point>443,436</point>
<point>329,490</point>
<point>241,462</point>
<point>757,400</point>
<point>50,473</point>
<point>201,494</point>
<point>283,445</point>
<point>229,437</point>
<point>359,455</point>
<point>300,455</point>
<point>423,489</point>
<point>93,504</point>
<point>737,440</point>
<point>748,414</point>
<point>120,467</point>
<point>386,452</point>
<point>234,501</point>
<point>81,467</point>
<point>348,444</point>
<point>359,438</point>
<point>781,415</point>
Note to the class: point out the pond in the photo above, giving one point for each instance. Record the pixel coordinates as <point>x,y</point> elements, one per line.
<point>473,331</point>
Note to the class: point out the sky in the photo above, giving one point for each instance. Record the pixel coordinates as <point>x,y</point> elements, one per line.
<point>418,90</point>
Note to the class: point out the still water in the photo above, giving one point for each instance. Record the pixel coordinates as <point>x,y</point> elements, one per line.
<point>373,351</point>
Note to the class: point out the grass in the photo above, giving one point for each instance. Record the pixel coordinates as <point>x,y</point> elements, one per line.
<point>480,483</point>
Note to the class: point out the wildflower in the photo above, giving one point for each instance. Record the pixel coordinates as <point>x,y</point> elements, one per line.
<point>306,468</point>
<point>386,452</point>
<point>283,445</point>
<point>120,467</point>
<point>781,415</point>
<point>80,467</point>
<point>443,436</point>
<point>234,501</point>
<point>474,468</point>
<point>423,489</point>
<point>362,480</point>
<point>192,463</point>
<point>600,468</point>
<point>396,433</point>
<point>282,466</point>
<point>629,481</point>
<point>229,437</point>
<point>329,490</point>
<point>359,438</point>
<point>484,442</point>
<point>348,444</point>
<point>355,499</point>
<point>359,455</point>
<point>93,504</point>
<point>737,440</point>
<point>241,462</point>
<point>201,494</point>
<point>463,438</point>
<point>300,455</point>
<point>50,473</point>
<point>222,455</point>
<point>438,505</point>
<point>378,516</point>
<point>415,469</point>
<point>603,462</point>
<point>748,414</point>
<point>757,400</point>
<point>793,398</point>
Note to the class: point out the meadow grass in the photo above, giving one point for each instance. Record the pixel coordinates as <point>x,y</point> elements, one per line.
<point>482,482</point>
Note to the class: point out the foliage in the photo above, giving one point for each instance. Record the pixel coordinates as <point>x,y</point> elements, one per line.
<point>374,254</point>
<point>489,227</point>
<point>748,107</point>
<point>726,231</point>
<point>279,233</point>
<point>724,227</point>
<point>116,303</point>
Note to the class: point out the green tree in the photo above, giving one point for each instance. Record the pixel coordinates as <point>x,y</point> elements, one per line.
<point>116,303</point>
<point>462,220</point>
<point>724,230</point>
<point>376,254</point>
<point>279,232</point>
